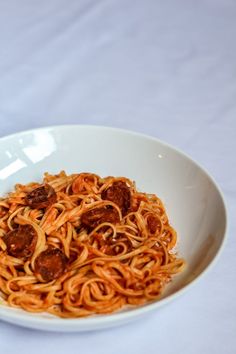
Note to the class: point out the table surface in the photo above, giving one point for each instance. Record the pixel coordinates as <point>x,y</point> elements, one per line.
<point>165,68</point>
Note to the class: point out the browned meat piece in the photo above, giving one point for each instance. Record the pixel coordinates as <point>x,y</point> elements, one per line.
<point>153,223</point>
<point>41,197</point>
<point>94,217</point>
<point>21,242</point>
<point>118,193</point>
<point>50,264</point>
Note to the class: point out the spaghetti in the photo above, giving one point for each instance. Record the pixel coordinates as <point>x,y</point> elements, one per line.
<point>79,244</point>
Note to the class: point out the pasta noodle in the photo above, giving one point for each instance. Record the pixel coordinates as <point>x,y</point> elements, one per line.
<point>78,245</point>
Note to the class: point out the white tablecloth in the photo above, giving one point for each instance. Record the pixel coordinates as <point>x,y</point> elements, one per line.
<point>166,68</point>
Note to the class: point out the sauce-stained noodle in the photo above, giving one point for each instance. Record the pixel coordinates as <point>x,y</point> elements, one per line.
<point>79,244</point>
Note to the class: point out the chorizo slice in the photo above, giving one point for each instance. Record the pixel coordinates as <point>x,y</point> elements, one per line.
<point>118,193</point>
<point>21,242</point>
<point>41,197</point>
<point>153,224</point>
<point>97,216</point>
<point>50,264</point>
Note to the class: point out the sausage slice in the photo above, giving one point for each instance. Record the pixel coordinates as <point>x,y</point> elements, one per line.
<point>50,264</point>
<point>94,217</point>
<point>41,197</point>
<point>21,242</point>
<point>118,193</point>
<point>153,224</point>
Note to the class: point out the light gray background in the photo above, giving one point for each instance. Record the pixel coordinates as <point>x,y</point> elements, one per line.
<point>166,68</point>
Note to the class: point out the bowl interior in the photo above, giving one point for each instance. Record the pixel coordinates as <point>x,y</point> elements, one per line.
<point>193,202</point>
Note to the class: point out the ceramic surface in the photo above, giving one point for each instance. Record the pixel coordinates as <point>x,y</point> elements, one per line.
<point>193,201</point>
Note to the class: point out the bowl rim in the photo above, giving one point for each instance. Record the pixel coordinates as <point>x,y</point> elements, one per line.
<point>26,319</point>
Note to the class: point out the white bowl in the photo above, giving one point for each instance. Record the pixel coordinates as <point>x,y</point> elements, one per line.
<point>193,201</point>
